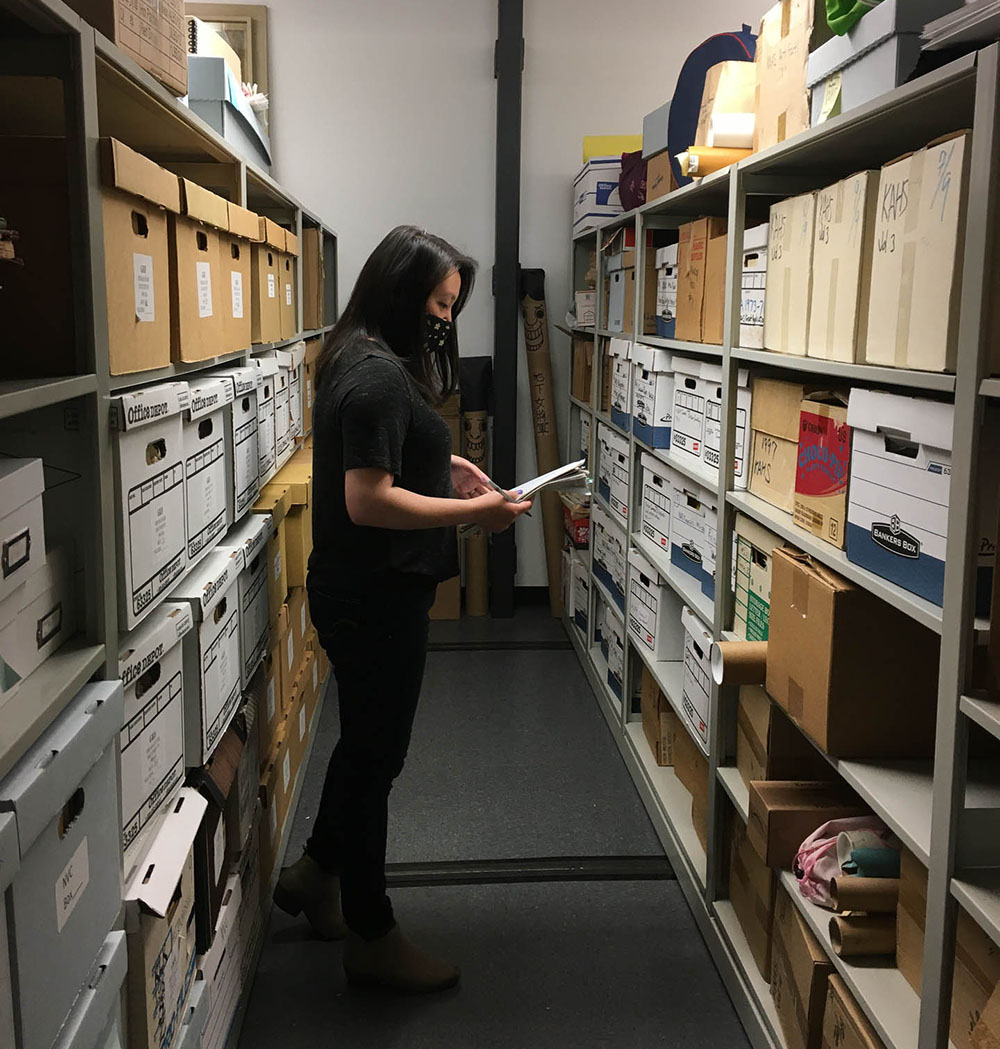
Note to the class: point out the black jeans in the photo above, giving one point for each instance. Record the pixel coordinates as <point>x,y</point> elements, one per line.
<point>378,646</point>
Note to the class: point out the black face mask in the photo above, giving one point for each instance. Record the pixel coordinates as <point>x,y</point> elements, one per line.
<point>436,333</point>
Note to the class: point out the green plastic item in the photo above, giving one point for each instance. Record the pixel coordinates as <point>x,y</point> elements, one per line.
<point>843,15</point>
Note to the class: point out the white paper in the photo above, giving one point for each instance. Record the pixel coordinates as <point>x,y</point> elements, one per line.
<point>571,473</point>
<point>277,566</point>
<point>302,724</point>
<point>71,884</point>
<point>286,770</point>
<point>142,274</point>
<point>303,630</point>
<point>270,700</point>
<point>272,286</point>
<point>291,651</point>
<point>204,271</point>
<point>288,294</point>
<point>315,675</point>
<point>219,849</point>
<point>237,282</point>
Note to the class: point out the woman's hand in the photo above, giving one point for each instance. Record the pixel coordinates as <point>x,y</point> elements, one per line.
<point>468,481</point>
<point>494,513</point>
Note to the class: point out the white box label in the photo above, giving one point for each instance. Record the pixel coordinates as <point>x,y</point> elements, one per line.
<point>272,286</point>
<point>302,724</point>
<point>291,651</point>
<point>237,281</point>
<point>288,294</point>
<point>303,619</point>
<point>270,700</point>
<point>315,675</point>
<point>286,770</point>
<point>277,566</point>
<point>274,822</point>
<point>204,271</point>
<point>219,849</point>
<point>142,274</point>
<point>71,885</point>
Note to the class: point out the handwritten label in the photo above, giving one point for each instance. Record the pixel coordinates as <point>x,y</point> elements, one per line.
<point>142,276</point>
<point>286,770</point>
<point>237,283</point>
<point>72,884</point>
<point>895,199</point>
<point>288,294</point>
<point>204,276</point>
<point>272,286</point>
<point>302,724</point>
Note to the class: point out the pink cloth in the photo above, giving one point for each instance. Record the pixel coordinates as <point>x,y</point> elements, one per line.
<point>816,863</point>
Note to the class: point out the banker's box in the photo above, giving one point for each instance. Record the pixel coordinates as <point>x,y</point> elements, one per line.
<point>22,483</point>
<point>697,687</point>
<point>313,348</point>
<point>66,894</point>
<point>752,889</point>
<point>652,395</point>
<point>621,382</point>
<point>666,291</point>
<point>653,611</point>
<point>613,471</point>
<point>288,306</point>
<point>789,274</point>
<point>149,486</point>
<point>280,380</point>
<point>822,469</point>
<point>265,275</point>
<point>241,439</point>
<point>236,247</point>
<point>659,482</point>
<point>268,368</point>
<point>710,391</point>
<point>251,536</point>
<point>136,198</point>
<point>753,287</point>
<point>616,655</point>
<point>694,523</point>
<point>659,722</point>
<point>581,595</point>
<point>208,468</point>
<point>752,578</point>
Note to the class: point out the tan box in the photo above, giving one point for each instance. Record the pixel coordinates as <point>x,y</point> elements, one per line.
<point>845,1026</point>
<point>842,259</point>
<point>236,248</point>
<point>265,310</point>
<point>299,623</point>
<point>298,723</point>
<point>752,888</point>
<point>313,279</point>
<point>274,501</point>
<point>197,293</point>
<point>986,1033</point>
<point>659,722</point>
<point>690,764</point>
<point>313,348</point>
<point>583,368</point>
<point>266,689</point>
<point>789,274</point>
<point>855,674</point>
<point>692,275</point>
<point>799,973</point>
<point>448,600</point>
<point>296,478</point>
<point>730,87</point>
<point>659,176</point>
<point>276,787</point>
<point>322,660</point>
<point>822,468</point>
<point>714,308</point>
<point>288,301</point>
<point>136,198</point>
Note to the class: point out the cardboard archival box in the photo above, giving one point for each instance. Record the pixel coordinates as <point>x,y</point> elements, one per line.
<point>710,388</point>
<point>687,434</point>
<point>315,646</point>
<point>753,286</point>
<point>919,240</point>
<point>769,746</point>
<point>298,627</point>
<point>211,652</point>
<point>652,395</point>
<point>986,1033</point>
<point>265,691</point>
<point>149,483</point>
<point>581,595</point>
<point>276,791</point>
<point>730,87</point>
<point>241,439</point>
<point>659,482</point>
<point>251,912</point>
<point>790,241</point>
<point>281,380</point>
<point>299,719</point>
<point>654,131</point>
<point>151,668</point>
<point>800,969</point>
<point>296,477</point>
<point>752,889</point>
<point>36,619</point>
<point>160,928</point>
<point>691,769</point>
<point>845,1026</point>
<point>659,176</point>
<point>313,279</point>
<point>659,722</point>
<point>313,348</point>
<point>583,368</point>
<point>697,278</point>
<point>842,259</point>
<point>694,518</point>
<point>697,681</point>
<point>621,382</point>
<point>234,263</point>
<point>221,966</point>
<point>586,308</point>
<point>136,196</point>
<point>666,291</point>
<point>714,306</point>
<point>595,192</point>
<point>617,302</point>
<point>613,471</point>
<point>855,673</point>
<point>752,573</point>
<point>616,655</point>
<point>822,468</point>
<point>265,309</point>
<point>653,611</point>
<point>198,294</point>
<point>274,502</point>
<point>288,296</point>
<point>22,519</point>
<point>208,468</point>
<point>251,535</point>
<point>774,420</point>
<point>267,366</point>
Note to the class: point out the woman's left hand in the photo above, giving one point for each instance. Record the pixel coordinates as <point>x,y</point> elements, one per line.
<point>467,480</point>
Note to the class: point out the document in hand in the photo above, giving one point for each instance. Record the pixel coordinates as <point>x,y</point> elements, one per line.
<point>572,475</point>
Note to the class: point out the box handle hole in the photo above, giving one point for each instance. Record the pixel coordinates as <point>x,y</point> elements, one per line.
<point>147,680</point>
<point>71,811</point>
<point>246,404</point>
<point>220,610</point>
<point>234,250</point>
<point>205,428</point>
<point>156,451</point>
<point>202,240</point>
<point>140,227</point>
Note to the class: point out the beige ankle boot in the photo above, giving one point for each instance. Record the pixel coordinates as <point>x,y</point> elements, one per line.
<point>397,964</point>
<point>305,886</point>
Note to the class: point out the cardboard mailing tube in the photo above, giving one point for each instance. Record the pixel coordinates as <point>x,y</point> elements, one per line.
<point>862,935</point>
<point>699,161</point>
<point>739,662</point>
<point>873,895</point>
<point>476,377</point>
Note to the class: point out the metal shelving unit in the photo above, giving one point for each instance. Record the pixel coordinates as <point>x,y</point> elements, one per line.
<point>937,807</point>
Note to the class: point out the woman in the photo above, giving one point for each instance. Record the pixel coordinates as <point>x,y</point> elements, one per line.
<point>385,511</point>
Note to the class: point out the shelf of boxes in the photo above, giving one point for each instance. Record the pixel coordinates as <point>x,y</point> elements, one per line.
<point>683,585</point>
<point>692,468</point>
<point>669,677</point>
<point>616,517</point>
<point>705,349</point>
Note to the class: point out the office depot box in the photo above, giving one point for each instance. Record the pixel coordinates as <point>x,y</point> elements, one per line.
<point>752,889</point>
<point>211,652</point>
<point>296,478</point>
<point>265,276</point>
<point>313,279</point>
<point>855,673</point>
<point>710,388</point>
<point>288,296</point>
<point>694,522</point>
<point>581,594</point>
<point>619,276</point>
<point>36,619</point>
<point>615,631</point>
<point>66,893</point>
<point>150,665</point>
<point>659,483</point>
<point>800,969</point>
<point>659,176</point>
<point>842,258</point>
<point>701,256</point>
<point>621,382</point>
<point>293,358</point>
<point>267,366</point>
<point>275,503</point>
<point>22,551</point>
<point>242,449</point>
<point>653,611</point>
<point>207,467</point>
<point>666,289</point>
<point>613,470</point>
<point>235,249</point>
<point>595,192</point>
<point>582,379</point>
<point>221,967</point>
<point>753,287</point>
<point>822,468</point>
<point>149,483</point>
<point>652,395</point>
<point>251,537</point>
<point>845,1026</point>
<point>313,348</point>
<point>919,242</point>
<point>95,1020</point>
<point>136,197</point>
<point>659,722</point>
<point>697,676</point>
<point>789,274</point>
<point>160,927</point>
<point>197,292</point>
<point>586,308</point>
<point>752,579</point>
<point>280,381</point>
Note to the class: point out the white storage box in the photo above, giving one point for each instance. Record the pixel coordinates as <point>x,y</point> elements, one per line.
<point>207,468</point>
<point>654,130</point>
<point>211,652</point>
<point>614,630</point>
<point>666,291</point>
<point>242,446</point>
<point>567,583</point>
<point>195,1015</point>
<point>697,686</point>
<point>585,431</point>
<point>752,578</point>
<point>150,665</point>
<point>67,893</point>
<point>581,593</point>
<point>753,287</point>
<point>659,482</point>
<point>284,443</point>
<point>613,472</point>
<point>266,448</point>
<point>149,481</point>
<point>95,1022</point>
<point>620,352</point>
<point>251,537</point>
<point>652,395</point>
<point>221,968</point>
<point>36,619</point>
<point>653,611</point>
<point>293,357</point>
<point>694,522</point>
<point>687,434</point>
<point>22,526</point>
<point>617,279</point>
<point>610,555</point>
<point>710,388</point>
<point>595,192</point>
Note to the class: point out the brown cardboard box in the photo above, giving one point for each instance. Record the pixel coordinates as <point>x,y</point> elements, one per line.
<point>265,687</point>
<point>288,304</point>
<point>236,248</point>
<point>313,347</point>
<point>299,622</point>
<point>265,312</point>
<point>854,673</point>
<point>730,87</point>
<point>606,370</point>
<point>986,1033</point>
<point>274,500</point>
<point>774,420</point>
<point>659,176</point>
<point>845,1026</point>
<point>298,723</point>
<point>823,465</point>
<point>799,973</point>
<point>692,276</point>
<point>296,477</point>
<point>690,764</point>
<point>790,242</point>
<point>583,368</point>
<point>769,746</point>
<point>752,888</point>
<point>275,793</point>
<point>136,198</point>
<point>714,308</point>
<point>783,813</point>
<point>314,646</point>
<point>197,292</point>
<point>659,722</point>
<point>313,279</point>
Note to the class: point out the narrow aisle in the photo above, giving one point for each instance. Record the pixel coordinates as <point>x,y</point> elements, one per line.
<point>510,759</point>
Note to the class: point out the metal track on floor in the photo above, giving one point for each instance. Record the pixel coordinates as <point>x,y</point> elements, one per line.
<point>553,645</point>
<point>560,868</point>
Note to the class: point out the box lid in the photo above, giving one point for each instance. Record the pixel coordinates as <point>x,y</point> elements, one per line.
<point>21,480</point>
<point>696,628</point>
<point>273,500</point>
<point>612,165</point>
<point>643,567</point>
<point>291,243</point>
<point>267,365</point>
<point>755,238</point>
<point>203,205</point>
<point>148,405</point>
<point>243,380</point>
<point>208,394</point>
<point>155,882</point>
<point>654,465</point>
<point>916,419</point>
<point>150,642</point>
<point>10,859</point>
<point>271,233</point>
<point>688,366</point>
<point>620,348</point>
<point>666,256</point>
<point>762,538</point>
<point>57,567</point>
<point>209,581</point>
<point>775,407</point>
<point>122,168</point>
<point>652,358</point>
<point>713,373</point>
<point>250,535</point>
<point>242,222</point>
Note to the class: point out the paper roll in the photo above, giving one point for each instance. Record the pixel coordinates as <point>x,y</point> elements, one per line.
<point>731,131</point>
<point>739,662</point>
<point>872,895</point>
<point>863,935</point>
